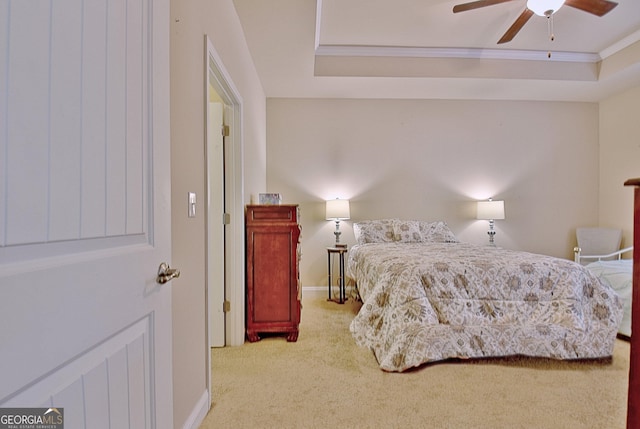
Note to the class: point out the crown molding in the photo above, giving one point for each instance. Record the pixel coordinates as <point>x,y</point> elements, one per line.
<point>469,53</point>
<point>620,45</point>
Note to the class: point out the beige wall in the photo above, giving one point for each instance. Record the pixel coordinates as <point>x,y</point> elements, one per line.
<point>431,159</point>
<point>190,21</point>
<point>619,160</point>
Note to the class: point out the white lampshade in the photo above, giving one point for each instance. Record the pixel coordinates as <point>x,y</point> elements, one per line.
<point>539,7</point>
<point>338,209</point>
<point>490,210</point>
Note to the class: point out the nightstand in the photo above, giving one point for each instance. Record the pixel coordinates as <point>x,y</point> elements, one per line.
<point>340,251</point>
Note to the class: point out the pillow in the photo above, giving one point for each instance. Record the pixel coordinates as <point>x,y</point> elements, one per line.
<point>437,232</point>
<point>374,231</point>
<point>407,231</point>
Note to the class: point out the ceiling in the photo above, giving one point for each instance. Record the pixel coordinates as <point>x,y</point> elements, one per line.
<point>420,49</point>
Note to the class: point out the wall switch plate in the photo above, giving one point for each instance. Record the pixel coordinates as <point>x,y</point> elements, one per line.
<point>192,204</point>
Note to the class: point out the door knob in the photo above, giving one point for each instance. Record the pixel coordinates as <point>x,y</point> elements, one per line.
<point>166,273</point>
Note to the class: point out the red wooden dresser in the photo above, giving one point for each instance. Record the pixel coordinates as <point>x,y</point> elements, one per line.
<point>273,292</point>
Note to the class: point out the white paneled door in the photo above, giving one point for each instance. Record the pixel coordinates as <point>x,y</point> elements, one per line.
<point>85,210</point>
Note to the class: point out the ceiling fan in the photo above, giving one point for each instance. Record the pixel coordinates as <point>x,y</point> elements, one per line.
<point>540,7</point>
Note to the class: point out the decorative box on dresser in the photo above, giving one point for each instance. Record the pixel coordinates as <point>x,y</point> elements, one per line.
<point>273,291</point>
<point>633,401</point>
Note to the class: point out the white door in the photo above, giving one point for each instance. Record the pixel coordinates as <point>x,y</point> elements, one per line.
<point>85,210</point>
<point>215,224</point>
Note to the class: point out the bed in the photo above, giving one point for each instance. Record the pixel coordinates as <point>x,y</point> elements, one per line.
<point>428,297</point>
<point>618,274</point>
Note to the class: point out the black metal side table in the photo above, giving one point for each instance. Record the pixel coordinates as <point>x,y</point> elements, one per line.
<point>341,280</point>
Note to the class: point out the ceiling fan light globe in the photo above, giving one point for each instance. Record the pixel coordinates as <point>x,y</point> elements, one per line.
<point>542,7</point>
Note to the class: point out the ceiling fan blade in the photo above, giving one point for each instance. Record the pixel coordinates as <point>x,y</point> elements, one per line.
<point>596,7</point>
<point>476,5</point>
<point>516,26</point>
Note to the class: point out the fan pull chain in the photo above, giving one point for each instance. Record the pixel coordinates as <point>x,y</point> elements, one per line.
<point>552,36</point>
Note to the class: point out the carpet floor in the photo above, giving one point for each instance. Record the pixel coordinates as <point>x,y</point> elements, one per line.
<point>325,381</point>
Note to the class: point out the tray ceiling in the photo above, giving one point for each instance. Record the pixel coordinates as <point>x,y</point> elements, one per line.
<point>421,49</point>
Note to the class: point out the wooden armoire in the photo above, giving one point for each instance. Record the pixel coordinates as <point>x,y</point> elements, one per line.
<point>273,290</point>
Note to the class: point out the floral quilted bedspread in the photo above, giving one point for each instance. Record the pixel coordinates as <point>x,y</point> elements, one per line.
<point>430,302</point>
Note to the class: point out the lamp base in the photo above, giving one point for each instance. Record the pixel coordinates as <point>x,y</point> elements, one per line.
<point>337,233</point>
<point>491,233</point>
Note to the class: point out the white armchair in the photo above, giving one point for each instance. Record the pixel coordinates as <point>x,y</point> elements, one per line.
<point>598,244</point>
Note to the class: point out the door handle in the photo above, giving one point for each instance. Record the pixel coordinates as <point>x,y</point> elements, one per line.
<point>166,273</point>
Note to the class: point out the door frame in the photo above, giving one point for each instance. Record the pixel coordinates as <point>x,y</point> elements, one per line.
<point>234,202</point>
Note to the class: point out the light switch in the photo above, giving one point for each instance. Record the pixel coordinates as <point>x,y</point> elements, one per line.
<point>192,204</point>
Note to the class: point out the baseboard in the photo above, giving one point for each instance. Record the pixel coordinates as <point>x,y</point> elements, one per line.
<point>198,413</point>
<point>319,292</point>
<point>314,292</point>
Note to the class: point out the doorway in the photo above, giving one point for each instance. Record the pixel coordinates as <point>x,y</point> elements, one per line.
<point>225,218</point>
